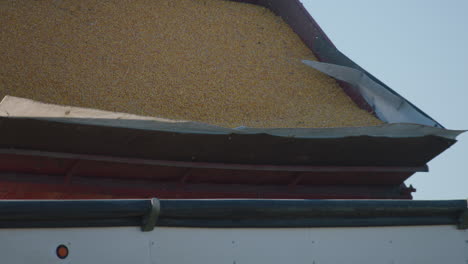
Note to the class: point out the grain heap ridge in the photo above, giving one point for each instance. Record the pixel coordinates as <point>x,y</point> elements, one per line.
<point>218,62</point>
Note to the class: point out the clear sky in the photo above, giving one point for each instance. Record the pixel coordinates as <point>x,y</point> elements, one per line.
<point>419,48</point>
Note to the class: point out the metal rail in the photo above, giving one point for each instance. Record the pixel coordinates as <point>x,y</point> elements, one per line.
<point>231,213</point>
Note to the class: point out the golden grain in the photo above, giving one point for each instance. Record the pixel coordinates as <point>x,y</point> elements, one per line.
<point>213,61</point>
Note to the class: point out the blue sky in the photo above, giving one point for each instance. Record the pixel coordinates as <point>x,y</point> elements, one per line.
<point>420,49</point>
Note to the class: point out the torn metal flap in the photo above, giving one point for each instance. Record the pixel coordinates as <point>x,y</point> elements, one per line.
<point>389,107</point>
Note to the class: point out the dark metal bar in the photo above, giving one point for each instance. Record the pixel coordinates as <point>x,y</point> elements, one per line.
<point>241,209</point>
<point>72,209</point>
<point>231,213</point>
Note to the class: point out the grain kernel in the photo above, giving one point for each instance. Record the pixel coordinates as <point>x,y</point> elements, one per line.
<point>219,62</point>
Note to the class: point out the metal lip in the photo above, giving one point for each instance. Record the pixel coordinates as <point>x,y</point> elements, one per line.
<point>231,213</point>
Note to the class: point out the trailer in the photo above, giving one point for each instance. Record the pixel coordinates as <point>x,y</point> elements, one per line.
<point>63,152</point>
<point>226,195</point>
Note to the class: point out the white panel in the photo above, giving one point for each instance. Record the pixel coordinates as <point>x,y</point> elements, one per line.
<point>86,245</point>
<point>405,245</point>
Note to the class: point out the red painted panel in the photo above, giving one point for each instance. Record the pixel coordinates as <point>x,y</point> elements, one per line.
<point>32,164</point>
<point>240,177</point>
<point>91,188</point>
<point>98,169</point>
<point>71,176</point>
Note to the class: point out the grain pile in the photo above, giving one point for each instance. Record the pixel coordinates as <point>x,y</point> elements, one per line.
<point>213,61</point>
